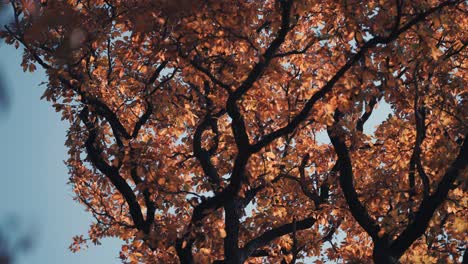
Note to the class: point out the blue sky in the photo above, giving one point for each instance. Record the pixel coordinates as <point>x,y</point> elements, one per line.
<point>33,176</point>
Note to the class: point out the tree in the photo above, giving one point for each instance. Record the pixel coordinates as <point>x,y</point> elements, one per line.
<point>194,125</point>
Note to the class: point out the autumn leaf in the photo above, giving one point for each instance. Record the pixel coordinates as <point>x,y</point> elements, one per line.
<point>237,131</point>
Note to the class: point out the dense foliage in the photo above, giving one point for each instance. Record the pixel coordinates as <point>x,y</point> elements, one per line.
<point>195,125</point>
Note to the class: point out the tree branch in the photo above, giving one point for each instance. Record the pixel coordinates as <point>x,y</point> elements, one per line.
<point>111,172</point>
<point>275,233</point>
<point>429,204</point>
<point>346,182</point>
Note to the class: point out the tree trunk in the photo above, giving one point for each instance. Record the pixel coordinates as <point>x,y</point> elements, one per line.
<point>382,254</point>
<point>231,242</point>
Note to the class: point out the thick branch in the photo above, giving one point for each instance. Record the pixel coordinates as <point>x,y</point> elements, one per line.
<point>238,125</point>
<point>269,54</point>
<point>204,155</point>
<point>111,172</point>
<point>346,182</point>
<point>150,206</point>
<point>184,250</point>
<point>428,206</point>
<point>275,233</point>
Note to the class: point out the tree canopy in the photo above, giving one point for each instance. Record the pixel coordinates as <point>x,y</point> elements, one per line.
<point>195,126</point>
